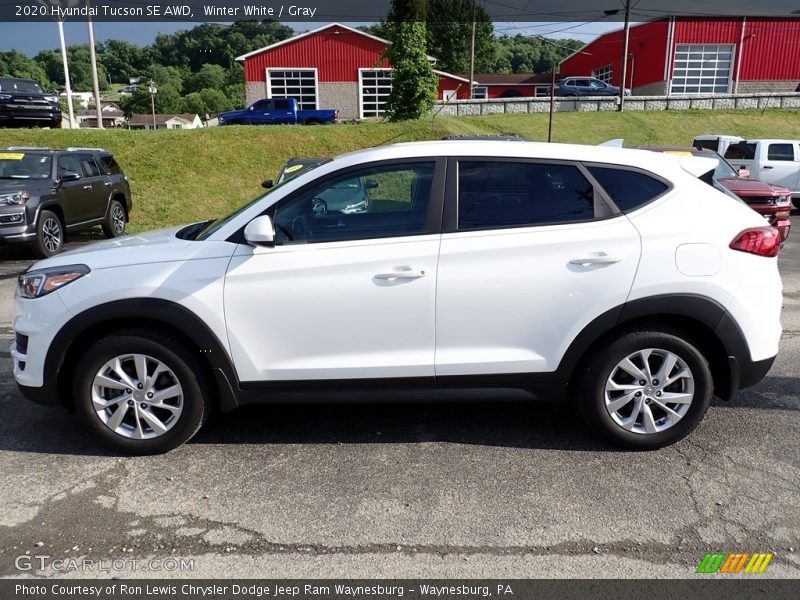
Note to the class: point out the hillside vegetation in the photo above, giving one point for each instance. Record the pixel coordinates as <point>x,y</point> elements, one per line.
<point>189,175</point>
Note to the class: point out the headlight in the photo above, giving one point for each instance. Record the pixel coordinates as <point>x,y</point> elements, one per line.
<point>5,96</point>
<point>40,282</point>
<point>51,98</point>
<point>15,198</point>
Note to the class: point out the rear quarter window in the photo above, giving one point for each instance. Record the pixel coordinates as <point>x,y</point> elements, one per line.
<point>628,189</point>
<point>109,165</point>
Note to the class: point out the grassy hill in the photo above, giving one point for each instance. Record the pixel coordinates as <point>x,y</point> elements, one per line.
<point>183,176</point>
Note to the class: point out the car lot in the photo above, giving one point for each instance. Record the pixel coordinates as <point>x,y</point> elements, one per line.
<point>417,490</point>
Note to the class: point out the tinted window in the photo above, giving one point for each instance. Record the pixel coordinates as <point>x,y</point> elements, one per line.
<point>781,152</point>
<point>628,189</point>
<point>707,144</point>
<point>69,163</point>
<point>90,168</point>
<point>508,194</point>
<point>281,105</point>
<point>262,105</point>
<point>741,151</point>
<point>370,203</point>
<point>109,164</point>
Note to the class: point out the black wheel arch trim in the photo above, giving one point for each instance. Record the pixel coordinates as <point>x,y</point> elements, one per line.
<point>155,311</point>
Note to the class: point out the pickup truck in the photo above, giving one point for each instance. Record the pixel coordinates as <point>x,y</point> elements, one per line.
<point>774,161</point>
<point>278,111</point>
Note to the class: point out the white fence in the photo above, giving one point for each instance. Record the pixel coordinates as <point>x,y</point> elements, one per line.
<point>787,101</point>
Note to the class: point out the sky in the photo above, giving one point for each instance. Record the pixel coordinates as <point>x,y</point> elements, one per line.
<point>29,38</point>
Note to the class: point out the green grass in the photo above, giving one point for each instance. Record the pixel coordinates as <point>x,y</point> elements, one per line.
<point>183,176</point>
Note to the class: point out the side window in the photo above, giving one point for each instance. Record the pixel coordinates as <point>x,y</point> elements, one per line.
<point>110,165</point>
<point>90,168</point>
<point>493,195</point>
<point>780,152</point>
<point>281,105</point>
<point>262,105</point>
<point>373,202</point>
<point>707,144</point>
<point>628,189</point>
<point>69,163</point>
<point>741,151</point>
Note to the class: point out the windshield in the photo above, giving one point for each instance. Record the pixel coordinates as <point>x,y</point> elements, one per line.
<point>724,170</point>
<point>19,85</point>
<point>22,165</point>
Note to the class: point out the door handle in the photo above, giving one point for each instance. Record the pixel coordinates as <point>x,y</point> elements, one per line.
<point>394,275</point>
<point>107,183</point>
<point>602,259</point>
<point>87,187</point>
<point>767,167</point>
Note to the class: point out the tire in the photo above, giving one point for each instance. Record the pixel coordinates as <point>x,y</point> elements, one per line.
<point>114,223</point>
<point>610,412</point>
<point>141,429</point>
<point>49,235</point>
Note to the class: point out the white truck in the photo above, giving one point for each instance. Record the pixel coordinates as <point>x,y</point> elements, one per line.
<point>771,160</point>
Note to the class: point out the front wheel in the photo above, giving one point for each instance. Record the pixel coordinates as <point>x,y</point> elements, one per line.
<point>140,392</point>
<point>114,223</point>
<point>645,390</point>
<point>49,235</point>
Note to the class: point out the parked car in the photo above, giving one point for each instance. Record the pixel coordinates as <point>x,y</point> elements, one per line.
<point>773,161</point>
<point>46,194</point>
<point>346,196</point>
<point>495,270</point>
<point>278,111</point>
<point>772,201</point>
<point>586,86</point>
<point>24,103</point>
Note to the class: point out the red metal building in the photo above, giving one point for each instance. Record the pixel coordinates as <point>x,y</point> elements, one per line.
<point>334,66</point>
<point>678,56</point>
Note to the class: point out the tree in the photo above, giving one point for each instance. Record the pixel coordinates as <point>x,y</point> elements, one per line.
<point>16,64</point>
<point>209,76</point>
<point>168,101</point>
<point>413,81</point>
<point>449,33</point>
<point>207,100</point>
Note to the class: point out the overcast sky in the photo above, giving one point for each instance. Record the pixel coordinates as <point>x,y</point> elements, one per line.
<point>32,37</point>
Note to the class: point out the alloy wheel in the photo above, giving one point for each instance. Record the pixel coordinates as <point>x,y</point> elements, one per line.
<point>118,219</point>
<point>51,234</point>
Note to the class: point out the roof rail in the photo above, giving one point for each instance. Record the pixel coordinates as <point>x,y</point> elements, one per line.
<point>77,149</point>
<point>27,148</point>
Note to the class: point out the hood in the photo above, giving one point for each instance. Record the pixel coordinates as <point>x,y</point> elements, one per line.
<point>28,185</point>
<point>158,246</point>
<point>232,113</point>
<point>753,187</point>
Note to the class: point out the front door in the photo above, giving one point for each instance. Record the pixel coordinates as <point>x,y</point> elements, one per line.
<point>77,194</point>
<point>782,166</point>
<point>343,294</point>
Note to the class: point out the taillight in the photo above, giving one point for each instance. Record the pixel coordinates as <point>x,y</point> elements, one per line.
<point>761,241</point>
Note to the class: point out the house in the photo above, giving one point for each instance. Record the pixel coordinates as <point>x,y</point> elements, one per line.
<point>511,85</point>
<point>81,99</point>
<point>680,56</point>
<point>184,121</point>
<point>333,66</point>
<point>112,117</point>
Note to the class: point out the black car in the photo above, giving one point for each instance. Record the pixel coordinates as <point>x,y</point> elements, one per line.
<point>46,194</point>
<point>23,102</point>
<point>586,86</point>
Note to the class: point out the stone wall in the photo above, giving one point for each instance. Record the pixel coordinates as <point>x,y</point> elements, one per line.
<point>254,91</point>
<point>756,87</point>
<point>786,101</point>
<point>342,96</point>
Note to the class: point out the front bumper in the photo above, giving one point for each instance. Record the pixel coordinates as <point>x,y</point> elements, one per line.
<point>11,114</point>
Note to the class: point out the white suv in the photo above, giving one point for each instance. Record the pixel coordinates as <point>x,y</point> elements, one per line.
<point>494,270</point>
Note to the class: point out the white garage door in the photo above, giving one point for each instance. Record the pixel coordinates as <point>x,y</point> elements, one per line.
<point>300,84</point>
<point>702,69</point>
<point>375,87</point>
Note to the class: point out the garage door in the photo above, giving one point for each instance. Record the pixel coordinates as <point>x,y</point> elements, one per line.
<point>702,69</point>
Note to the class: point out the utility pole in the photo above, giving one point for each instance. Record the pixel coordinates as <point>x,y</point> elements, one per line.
<point>93,56</point>
<point>472,53</point>
<point>626,39</point>
<point>67,86</point>
<point>552,106</point>
<point>153,90</point>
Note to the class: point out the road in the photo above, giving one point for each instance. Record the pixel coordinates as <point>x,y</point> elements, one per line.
<point>512,490</point>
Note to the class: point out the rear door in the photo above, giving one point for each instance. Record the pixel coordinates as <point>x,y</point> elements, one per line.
<point>782,164</point>
<point>530,255</point>
<point>95,200</point>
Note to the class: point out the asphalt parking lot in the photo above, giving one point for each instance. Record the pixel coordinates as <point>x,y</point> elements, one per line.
<point>504,491</point>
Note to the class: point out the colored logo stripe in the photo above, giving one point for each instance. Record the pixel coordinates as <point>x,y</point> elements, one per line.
<point>723,562</point>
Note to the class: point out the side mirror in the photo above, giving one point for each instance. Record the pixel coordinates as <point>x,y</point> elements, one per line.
<point>370,184</point>
<point>744,172</point>
<point>70,176</point>
<point>267,184</point>
<point>250,108</point>
<point>260,232</point>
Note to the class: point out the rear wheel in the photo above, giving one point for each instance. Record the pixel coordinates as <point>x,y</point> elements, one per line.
<point>645,390</point>
<point>114,223</point>
<point>140,392</point>
<point>49,235</point>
